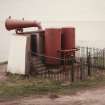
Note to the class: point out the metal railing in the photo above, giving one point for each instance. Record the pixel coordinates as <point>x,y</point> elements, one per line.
<point>83,64</point>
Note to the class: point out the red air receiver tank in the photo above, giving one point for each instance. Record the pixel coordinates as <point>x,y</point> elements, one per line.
<point>52,45</point>
<point>68,38</point>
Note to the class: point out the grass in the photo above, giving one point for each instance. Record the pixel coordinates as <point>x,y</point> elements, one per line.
<point>17,86</point>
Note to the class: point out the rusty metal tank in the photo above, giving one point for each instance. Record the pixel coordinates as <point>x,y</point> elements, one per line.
<point>52,45</point>
<point>68,38</point>
<point>12,24</point>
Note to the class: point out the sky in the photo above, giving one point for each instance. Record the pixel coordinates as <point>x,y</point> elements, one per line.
<point>54,10</point>
<point>87,16</point>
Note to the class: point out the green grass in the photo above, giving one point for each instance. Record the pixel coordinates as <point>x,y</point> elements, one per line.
<point>17,86</point>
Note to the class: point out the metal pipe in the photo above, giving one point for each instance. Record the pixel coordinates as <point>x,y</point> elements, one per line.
<point>30,32</point>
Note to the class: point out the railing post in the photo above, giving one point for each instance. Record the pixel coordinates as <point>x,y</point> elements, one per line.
<point>72,61</point>
<point>72,72</point>
<point>89,64</point>
<point>81,69</point>
<point>103,60</point>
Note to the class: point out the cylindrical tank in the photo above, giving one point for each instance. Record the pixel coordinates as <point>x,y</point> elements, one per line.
<point>68,38</point>
<point>52,45</point>
<point>12,24</point>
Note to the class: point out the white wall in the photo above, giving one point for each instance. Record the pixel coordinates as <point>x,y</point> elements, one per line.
<point>88,16</point>
<point>17,53</point>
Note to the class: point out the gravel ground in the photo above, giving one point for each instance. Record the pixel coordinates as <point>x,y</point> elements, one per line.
<point>88,97</point>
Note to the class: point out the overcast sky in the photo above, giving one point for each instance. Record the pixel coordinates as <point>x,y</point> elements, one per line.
<point>64,10</point>
<point>87,16</point>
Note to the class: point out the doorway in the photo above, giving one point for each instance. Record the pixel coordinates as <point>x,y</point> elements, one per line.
<point>33,44</point>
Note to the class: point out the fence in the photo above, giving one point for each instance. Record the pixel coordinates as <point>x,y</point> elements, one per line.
<point>83,64</point>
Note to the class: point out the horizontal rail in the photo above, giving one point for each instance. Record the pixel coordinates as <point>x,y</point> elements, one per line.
<point>42,55</point>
